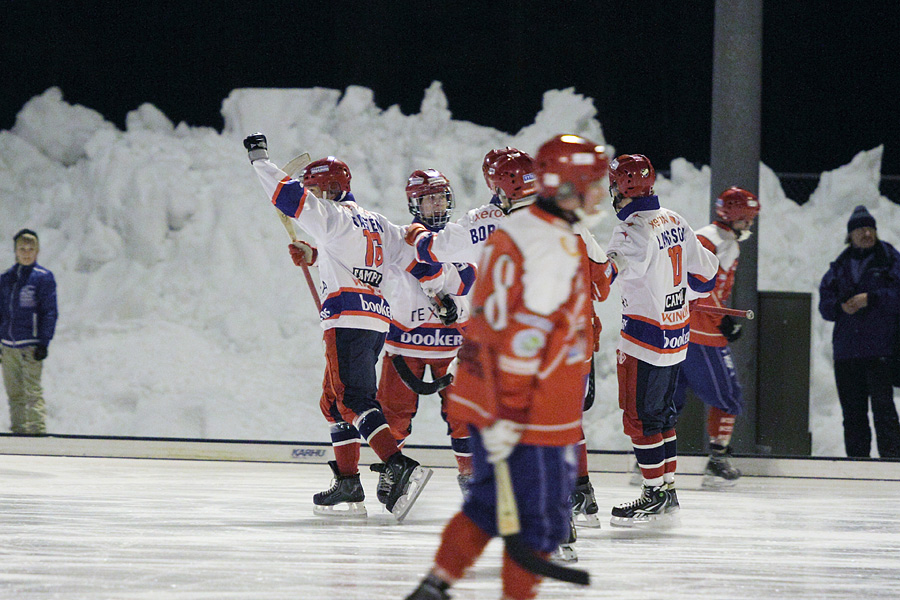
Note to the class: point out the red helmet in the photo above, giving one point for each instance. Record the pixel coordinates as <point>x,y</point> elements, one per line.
<point>569,164</point>
<point>423,183</point>
<point>632,175</point>
<point>329,174</point>
<point>737,204</point>
<point>512,171</point>
<point>489,159</point>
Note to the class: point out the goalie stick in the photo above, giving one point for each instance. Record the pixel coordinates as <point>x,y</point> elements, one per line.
<point>293,168</point>
<point>420,387</point>
<point>508,526</point>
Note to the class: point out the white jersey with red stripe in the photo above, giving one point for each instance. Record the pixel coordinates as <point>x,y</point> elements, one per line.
<point>462,240</point>
<point>416,330</point>
<point>659,258</point>
<point>356,248</point>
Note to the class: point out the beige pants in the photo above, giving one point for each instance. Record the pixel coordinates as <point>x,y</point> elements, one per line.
<point>22,379</point>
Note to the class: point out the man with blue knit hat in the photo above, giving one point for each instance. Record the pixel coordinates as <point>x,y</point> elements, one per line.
<point>861,294</point>
<point>27,321</point>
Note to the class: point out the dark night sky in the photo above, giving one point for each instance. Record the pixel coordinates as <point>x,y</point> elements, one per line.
<point>831,70</point>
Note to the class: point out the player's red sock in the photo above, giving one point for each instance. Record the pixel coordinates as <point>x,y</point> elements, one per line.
<point>461,544</point>
<point>518,584</point>
<point>720,426</point>
<point>347,458</point>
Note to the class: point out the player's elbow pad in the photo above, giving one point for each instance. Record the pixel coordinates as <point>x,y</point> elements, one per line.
<point>698,285</point>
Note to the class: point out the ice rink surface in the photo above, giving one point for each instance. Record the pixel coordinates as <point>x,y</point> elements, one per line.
<point>138,529</point>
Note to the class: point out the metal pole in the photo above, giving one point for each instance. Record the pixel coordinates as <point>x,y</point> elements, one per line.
<point>735,153</point>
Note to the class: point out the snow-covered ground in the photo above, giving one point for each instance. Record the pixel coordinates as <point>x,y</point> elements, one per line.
<point>181,314</point>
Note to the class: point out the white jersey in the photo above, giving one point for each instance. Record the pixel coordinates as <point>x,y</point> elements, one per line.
<point>462,240</point>
<point>416,330</point>
<point>659,258</point>
<point>356,248</point>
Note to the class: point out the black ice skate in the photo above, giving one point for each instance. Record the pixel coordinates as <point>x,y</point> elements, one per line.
<point>400,483</point>
<point>345,497</point>
<point>672,506</point>
<point>719,471</point>
<point>431,588</point>
<point>649,507</point>
<point>584,504</point>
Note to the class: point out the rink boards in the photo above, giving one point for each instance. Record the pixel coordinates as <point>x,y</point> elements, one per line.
<point>436,456</point>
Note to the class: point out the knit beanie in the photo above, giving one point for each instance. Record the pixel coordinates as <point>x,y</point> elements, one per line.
<point>22,232</point>
<point>860,218</point>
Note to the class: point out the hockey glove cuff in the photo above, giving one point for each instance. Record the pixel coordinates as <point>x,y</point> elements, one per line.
<point>257,147</point>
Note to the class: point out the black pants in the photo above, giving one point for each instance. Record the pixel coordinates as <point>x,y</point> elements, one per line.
<point>858,381</point>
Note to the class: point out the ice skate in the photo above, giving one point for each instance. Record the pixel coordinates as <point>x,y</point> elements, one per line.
<point>636,477</point>
<point>649,507</point>
<point>400,483</point>
<point>565,552</point>
<point>720,473</point>
<point>584,505</point>
<point>672,505</point>
<point>431,588</point>
<point>345,497</point>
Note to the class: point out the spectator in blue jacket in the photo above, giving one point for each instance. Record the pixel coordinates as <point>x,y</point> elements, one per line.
<point>861,294</point>
<point>27,320</point>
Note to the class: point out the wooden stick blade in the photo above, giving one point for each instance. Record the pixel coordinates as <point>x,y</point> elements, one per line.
<point>296,165</point>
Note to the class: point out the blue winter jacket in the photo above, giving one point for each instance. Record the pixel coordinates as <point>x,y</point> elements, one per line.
<point>871,331</point>
<point>27,306</point>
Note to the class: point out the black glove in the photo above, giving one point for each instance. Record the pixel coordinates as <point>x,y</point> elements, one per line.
<point>730,328</point>
<point>40,352</point>
<point>448,313</point>
<point>257,146</point>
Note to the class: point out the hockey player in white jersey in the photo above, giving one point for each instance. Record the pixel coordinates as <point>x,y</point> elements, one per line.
<point>658,257</point>
<point>429,311</point>
<point>355,248</point>
<point>509,174</point>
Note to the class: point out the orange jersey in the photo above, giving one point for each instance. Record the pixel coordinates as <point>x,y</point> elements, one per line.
<point>525,356</point>
<point>723,243</point>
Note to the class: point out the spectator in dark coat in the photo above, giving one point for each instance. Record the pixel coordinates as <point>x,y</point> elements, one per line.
<point>861,294</point>
<point>27,322</point>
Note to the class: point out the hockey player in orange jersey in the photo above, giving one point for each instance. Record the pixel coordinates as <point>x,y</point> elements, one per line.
<point>523,369</point>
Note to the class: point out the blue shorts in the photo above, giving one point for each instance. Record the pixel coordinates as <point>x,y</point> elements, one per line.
<point>543,479</point>
<point>709,372</point>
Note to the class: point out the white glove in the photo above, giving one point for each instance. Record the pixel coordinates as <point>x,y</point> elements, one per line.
<point>500,438</point>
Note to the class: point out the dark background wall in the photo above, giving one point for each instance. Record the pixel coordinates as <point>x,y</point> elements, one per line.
<point>831,80</point>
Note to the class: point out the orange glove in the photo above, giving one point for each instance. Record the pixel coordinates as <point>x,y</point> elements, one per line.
<point>412,232</point>
<point>302,253</point>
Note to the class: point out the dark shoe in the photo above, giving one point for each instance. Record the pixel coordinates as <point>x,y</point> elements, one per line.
<point>400,483</point>
<point>719,471</point>
<point>431,588</point>
<point>650,506</point>
<point>584,504</point>
<point>672,506</point>
<point>345,489</point>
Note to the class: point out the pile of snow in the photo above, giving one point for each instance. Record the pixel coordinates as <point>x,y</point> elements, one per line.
<point>181,314</point>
